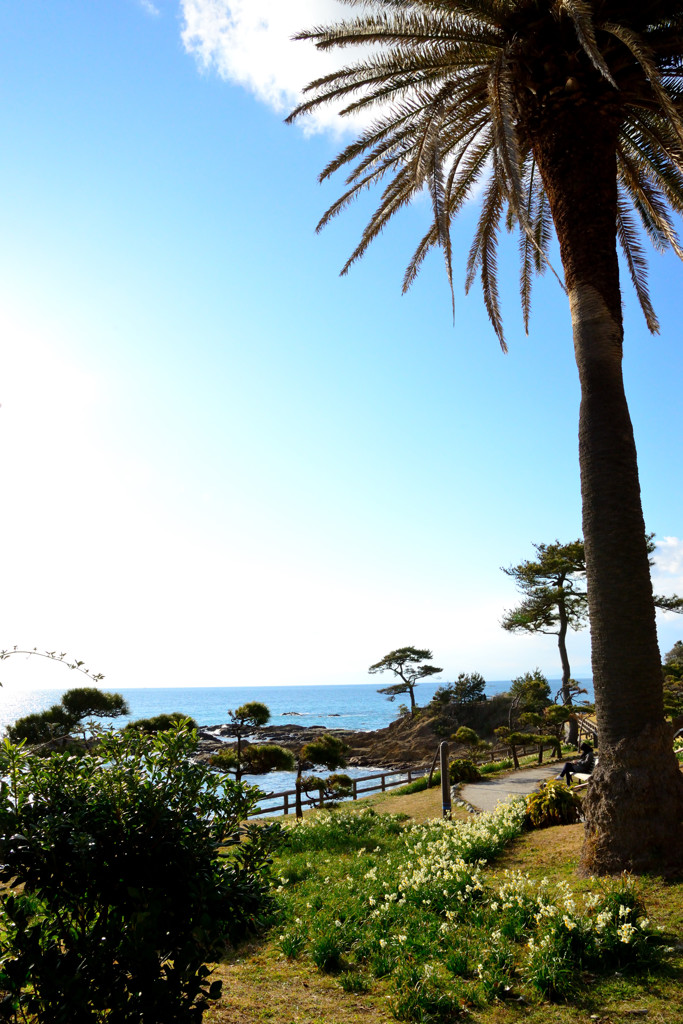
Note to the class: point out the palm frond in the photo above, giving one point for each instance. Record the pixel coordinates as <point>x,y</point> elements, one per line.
<point>642,53</point>
<point>411,27</point>
<point>527,251</point>
<point>457,90</point>
<point>441,218</point>
<point>581,13</point>
<point>655,149</point>
<point>650,204</point>
<point>427,242</point>
<point>398,193</point>
<point>482,254</point>
<point>505,137</point>
<point>543,230</point>
<point>635,260</point>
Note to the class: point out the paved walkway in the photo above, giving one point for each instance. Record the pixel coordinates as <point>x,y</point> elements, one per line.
<point>487,793</point>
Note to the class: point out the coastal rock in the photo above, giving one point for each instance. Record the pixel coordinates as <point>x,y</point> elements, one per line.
<point>409,742</point>
<point>389,748</point>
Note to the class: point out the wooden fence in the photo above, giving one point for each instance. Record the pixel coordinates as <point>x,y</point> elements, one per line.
<point>387,780</point>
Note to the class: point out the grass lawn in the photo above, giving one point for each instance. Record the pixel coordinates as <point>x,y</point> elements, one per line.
<point>276,978</point>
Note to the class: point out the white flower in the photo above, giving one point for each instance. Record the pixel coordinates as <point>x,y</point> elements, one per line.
<point>626,932</point>
<point>602,920</point>
<point>382,943</point>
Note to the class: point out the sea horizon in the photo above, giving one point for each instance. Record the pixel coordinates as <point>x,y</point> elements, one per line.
<point>354,706</point>
<point>357,706</point>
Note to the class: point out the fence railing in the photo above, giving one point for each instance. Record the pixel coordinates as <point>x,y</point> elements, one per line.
<point>387,780</point>
<point>287,798</point>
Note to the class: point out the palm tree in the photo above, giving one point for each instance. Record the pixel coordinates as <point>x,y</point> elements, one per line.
<point>569,113</point>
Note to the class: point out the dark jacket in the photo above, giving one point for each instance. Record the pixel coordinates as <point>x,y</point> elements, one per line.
<point>585,764</point>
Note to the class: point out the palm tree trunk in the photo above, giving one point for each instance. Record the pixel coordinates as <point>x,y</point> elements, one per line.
<point>634,804</point>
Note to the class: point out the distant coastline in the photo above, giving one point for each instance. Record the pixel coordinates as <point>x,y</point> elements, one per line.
<point>355,706</point>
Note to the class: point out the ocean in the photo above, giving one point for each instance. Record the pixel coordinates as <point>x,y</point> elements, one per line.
<point>358,707</point>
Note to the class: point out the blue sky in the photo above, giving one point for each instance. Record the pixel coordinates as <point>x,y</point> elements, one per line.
<point>223,463</point>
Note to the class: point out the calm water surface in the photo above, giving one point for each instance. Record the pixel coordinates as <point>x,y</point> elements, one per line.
<point>357,707</point>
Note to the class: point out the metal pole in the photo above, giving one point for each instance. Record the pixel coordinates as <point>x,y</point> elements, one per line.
<point>445,780</point>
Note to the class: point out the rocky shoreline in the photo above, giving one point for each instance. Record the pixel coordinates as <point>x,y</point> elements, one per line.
<point>408,742</point>
<point>399,746</point>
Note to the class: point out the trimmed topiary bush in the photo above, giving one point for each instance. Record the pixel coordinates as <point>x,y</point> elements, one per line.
<point>463,770</point>
<point>159,723</point>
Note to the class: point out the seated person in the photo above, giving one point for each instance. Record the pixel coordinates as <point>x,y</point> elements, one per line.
<point>584,765</point>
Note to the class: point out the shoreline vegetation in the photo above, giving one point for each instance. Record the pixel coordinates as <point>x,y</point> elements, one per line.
<point>476,730</point>
<point>374,910</point>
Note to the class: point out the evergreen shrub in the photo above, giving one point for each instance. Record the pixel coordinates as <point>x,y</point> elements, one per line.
<point>126,870</point>
<point>463,770</point>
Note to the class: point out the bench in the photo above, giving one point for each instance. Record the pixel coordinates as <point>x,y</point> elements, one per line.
<point>582,778</point>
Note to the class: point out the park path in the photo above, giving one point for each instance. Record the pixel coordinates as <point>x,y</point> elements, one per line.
<point>485,794</point>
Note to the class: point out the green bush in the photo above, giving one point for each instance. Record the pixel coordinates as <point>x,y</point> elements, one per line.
<point>127,868</point>
<point>76,706</point>
<point>463,770</point>
<point>253,759</point>
<point>261,758</point>
<point>416,997</point>
<point>41,726</point>
<point>555,804</point>
<point>467,736</point>
<point>160,722</point>
<point>226,760</point>
<point>351,982</point>
<point>491,767</point>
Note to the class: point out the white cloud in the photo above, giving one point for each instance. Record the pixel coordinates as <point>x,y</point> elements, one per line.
<point>249,42</point>
<point>668,556</point>
<point>667,579</point>
<point>150,8</point>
